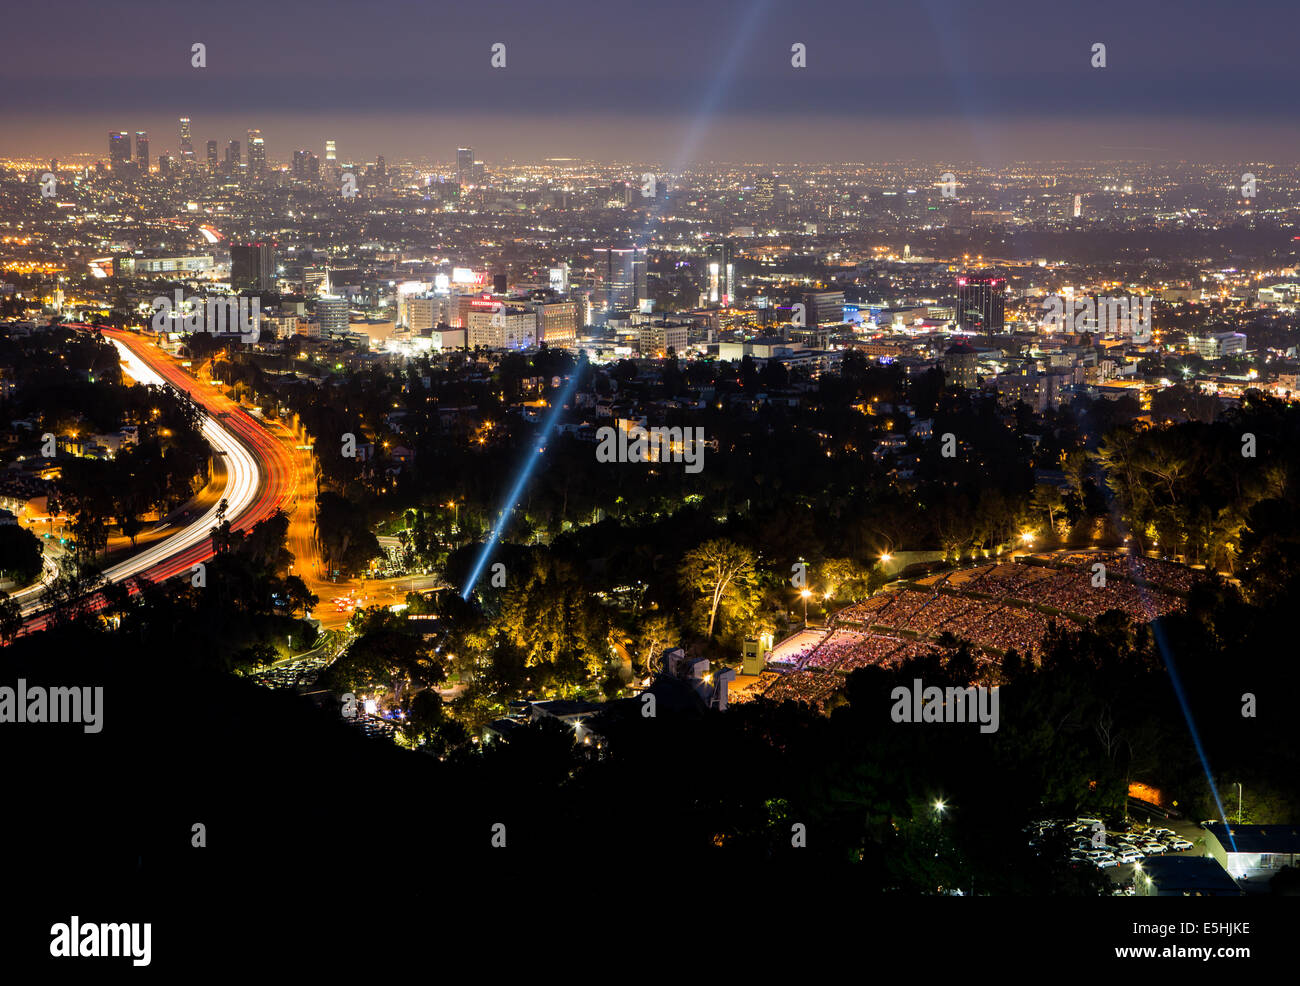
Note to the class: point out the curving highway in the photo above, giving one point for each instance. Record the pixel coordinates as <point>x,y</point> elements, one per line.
<point>259,474</point>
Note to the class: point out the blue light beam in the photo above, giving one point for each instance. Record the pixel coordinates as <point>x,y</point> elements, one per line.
<point>1167,655</point>
<point>517,491</point>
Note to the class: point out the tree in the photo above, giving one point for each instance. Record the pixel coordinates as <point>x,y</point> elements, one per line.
<point>11,618</point>
<point>20,554</point>
<point>427,725</point>
<point>722,572</point>
<point>656,633</point>
<point>387,651</point>
<point>1048,499</point>
<point>846,580</point>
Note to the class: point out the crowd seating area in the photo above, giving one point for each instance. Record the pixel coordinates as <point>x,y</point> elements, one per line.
<point>737,695</point>
<point>1166,575</point>
<point>992,606</point>
<point>812,687</point>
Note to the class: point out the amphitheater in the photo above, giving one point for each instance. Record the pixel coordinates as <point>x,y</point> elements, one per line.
<point>997,607</point>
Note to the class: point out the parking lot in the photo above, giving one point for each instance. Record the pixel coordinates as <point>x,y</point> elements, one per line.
<point>291,674</point>
<point>1117,848</point>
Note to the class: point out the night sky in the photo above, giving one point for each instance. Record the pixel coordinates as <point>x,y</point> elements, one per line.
<point>672,81</point>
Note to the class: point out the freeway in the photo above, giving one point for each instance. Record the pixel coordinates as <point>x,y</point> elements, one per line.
<point>259,474</point>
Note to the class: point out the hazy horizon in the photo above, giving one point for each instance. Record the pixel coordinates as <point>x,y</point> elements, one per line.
<point>934,80</point>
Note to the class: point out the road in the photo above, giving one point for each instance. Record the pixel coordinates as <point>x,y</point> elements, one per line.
<point>259,475</point>
<point>308,563</point>
<point>266,468</point>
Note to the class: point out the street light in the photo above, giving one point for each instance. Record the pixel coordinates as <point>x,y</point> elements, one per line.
<point>1238,802</point>
<point>805,593</point>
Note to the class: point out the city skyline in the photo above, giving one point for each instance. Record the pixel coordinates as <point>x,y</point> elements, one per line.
<point>1009,80</point>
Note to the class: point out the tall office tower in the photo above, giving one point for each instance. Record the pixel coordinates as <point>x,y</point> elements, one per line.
<point>212,155</point>
<point>256,153</point>
<point>823,308</point>
<point>142,151</point>
<point>312,167</point>
<point>722,274</point>
<point>119,150</point>
<point>620,276</point>
<point>165,165</point>
<point>299,164</point>
<point>252,266</point>
<point>981,303</point>
<point>559,279</point>
<point>1078,206</point>
<point>333,316</point>
<point>465,165</point>
<point>764,193</point>
<point>187,142</point>
<point>330,153</point>
<point>232,153</point>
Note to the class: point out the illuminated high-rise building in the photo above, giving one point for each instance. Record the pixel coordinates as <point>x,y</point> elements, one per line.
<point>142,151</point>
<point>256,153</point>
<point>465,165</point>
<point>119,150</point>
<point>212,155</point>
<point>232,153</point>
<point>187,142</point>
<point>331,154</point>
<point>333,315</point>
<point>252,266</point>
<point>981,303</point>
<point>559,279</point>
<point>722,274</point>
<point>620,276</point>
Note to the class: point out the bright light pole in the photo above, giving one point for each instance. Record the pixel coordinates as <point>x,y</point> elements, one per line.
<point>805,593</point>
<point>1238,802</point>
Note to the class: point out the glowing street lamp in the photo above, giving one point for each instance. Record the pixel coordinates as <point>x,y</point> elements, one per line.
<point>805,593</point>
